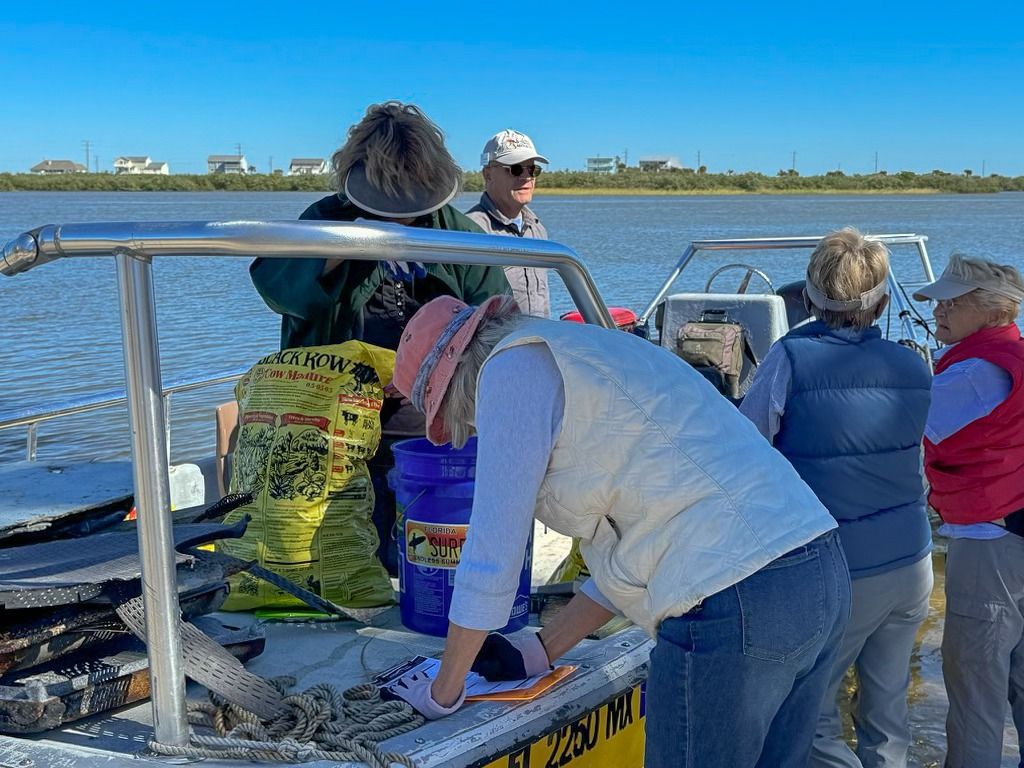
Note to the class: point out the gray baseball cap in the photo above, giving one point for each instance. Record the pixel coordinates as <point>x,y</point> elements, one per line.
<point>509,147</point>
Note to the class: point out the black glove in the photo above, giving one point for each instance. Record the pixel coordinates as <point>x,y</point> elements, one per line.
<point>511,658</point>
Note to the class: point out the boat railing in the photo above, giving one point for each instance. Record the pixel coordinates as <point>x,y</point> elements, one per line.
<point>133,246</point>
<point>31,418</point>
<point>909,318</point>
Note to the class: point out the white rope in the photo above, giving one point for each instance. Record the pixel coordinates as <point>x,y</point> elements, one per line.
<point>317,724</point>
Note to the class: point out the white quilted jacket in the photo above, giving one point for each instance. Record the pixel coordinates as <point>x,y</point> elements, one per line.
<point>673,493</point>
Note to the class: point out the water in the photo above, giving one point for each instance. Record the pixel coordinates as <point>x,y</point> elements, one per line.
<point>62,338</point>
<point>61,330</point>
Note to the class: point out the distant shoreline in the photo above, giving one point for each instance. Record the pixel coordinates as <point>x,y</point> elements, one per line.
<point>628,182</point>
<point>609,192</point>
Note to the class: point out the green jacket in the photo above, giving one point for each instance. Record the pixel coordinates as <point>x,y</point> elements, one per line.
<point>320,309</point>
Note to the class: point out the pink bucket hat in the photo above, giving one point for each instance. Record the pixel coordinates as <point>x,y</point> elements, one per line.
<point>430,350</point>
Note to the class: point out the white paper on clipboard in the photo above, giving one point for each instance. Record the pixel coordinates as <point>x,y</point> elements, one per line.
<point>476,685</point>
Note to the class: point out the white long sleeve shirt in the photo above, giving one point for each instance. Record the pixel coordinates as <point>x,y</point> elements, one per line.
<point>519,409</point>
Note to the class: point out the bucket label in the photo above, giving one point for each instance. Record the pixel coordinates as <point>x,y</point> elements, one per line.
<point>432,545</point>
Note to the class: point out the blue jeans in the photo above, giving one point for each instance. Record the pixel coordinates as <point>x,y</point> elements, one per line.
<point>738,682</point>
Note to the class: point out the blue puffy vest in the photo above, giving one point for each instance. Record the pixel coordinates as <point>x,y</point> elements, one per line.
<point>852,428</point>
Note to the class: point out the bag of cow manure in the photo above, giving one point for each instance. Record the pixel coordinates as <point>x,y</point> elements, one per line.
<point>308,420</point>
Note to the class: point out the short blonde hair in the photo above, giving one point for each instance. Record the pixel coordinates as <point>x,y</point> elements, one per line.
<point>1002,309</point>
<point>401,148</point>
<point>458,409</point>
<point>844,265</point>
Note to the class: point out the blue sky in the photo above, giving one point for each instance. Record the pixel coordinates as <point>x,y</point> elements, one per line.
<point>936,85</point>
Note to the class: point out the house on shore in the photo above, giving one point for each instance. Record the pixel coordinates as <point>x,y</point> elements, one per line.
<point>307,166</point>
<point>657,163</point>
<point>47,167</point>
<point>602,164</point>
<point>227,164</point>
<point>139,164</point>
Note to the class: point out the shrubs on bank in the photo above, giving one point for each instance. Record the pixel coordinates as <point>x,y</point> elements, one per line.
<point>682,181</point>
<point>688,181</point>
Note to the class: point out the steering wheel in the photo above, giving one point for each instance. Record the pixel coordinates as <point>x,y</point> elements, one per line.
<point>751,271</point>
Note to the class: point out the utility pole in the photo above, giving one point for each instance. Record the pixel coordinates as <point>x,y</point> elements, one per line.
<point>96,163</point>
<point>793,167</point>
<point>625,157</point>
<point>983,169</point>
<point>876,161</point>
<point>87,144</point>
<point>238,149</point>
<point>698,158</point>
<point>270,164</point>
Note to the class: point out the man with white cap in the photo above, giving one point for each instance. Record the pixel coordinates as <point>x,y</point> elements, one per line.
<point>510,173</point>
<point>974,456</point>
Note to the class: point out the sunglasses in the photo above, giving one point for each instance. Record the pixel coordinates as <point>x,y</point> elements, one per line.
<point>533,171</point>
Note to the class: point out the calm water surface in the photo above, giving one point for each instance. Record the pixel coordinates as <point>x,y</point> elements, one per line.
<point>62,337</point>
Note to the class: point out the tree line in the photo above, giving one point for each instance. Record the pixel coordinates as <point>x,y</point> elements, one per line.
<point>629,179</point>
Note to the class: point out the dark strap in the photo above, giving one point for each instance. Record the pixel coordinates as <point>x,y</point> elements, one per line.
<point>748,351</point>
<point>362,615</point>
<point>1015,522</point>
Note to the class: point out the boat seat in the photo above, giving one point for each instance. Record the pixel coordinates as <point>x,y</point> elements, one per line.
<point>226,416</point>
<point>793,295</point>
<point>763,316</point>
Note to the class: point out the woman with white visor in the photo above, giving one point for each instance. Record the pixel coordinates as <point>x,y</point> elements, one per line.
<point>974,457</point>
<point>848,409</point>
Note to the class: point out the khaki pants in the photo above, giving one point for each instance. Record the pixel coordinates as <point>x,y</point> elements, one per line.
<point>887,610</point>
<point>983,647</point>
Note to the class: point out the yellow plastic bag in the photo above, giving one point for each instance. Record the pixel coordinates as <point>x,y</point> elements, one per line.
<point>572,567</point>
<point>309,419</point>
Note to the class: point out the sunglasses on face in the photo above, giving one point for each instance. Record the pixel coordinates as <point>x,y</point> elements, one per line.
<point>533,171</point>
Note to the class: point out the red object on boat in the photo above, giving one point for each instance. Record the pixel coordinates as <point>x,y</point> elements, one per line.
<point>625,319</point>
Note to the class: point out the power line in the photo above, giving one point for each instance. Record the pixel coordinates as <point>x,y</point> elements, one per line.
<point>87,144</point>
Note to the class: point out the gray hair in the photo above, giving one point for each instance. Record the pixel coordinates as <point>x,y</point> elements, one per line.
<point>458,410</point>
<point>843,266</point>
<point>1002,309</point>
<point>401,148</point>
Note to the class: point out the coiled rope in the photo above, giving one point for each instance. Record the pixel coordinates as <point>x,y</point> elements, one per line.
<point>317,724</point>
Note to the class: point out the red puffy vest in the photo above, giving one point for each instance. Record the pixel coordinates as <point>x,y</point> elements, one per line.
<point>975,474</point>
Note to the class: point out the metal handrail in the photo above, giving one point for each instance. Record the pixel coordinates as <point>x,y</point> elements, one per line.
<point>33,417</point>
<point>362,241</point>
<point>776,243</point>
<point>134,245</point>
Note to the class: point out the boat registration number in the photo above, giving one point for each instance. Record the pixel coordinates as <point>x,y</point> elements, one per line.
<point>612,734</point>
